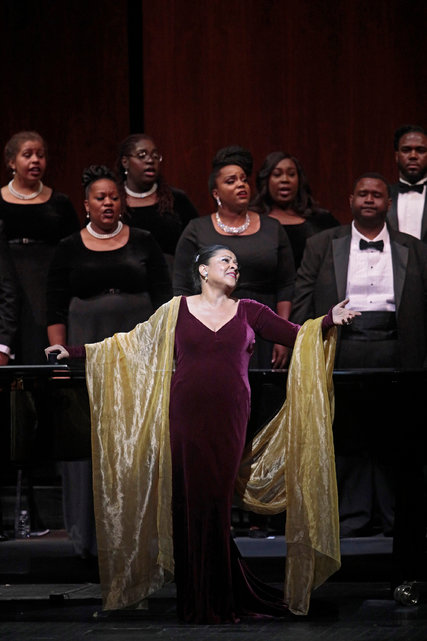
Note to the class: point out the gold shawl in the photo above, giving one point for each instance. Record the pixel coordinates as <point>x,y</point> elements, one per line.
<point>128,380</point>
<point>290,465</point>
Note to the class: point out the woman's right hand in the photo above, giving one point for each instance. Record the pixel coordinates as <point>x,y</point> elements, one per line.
<point>57,348</point>
<point>343,316</point>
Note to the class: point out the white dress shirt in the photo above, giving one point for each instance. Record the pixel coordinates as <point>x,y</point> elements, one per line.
<point>410,207</point>
<point>370,285</point>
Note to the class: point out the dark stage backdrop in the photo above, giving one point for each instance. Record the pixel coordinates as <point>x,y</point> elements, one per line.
<point>327,80</point>
<point>65,74</point>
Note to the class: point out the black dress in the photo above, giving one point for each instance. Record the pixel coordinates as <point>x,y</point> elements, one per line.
<point>168,226</point>
<point>8,294</point>
<point>98,293</point>
<point>33,232</point>
<point>267,271</point>
<point>317,221</point>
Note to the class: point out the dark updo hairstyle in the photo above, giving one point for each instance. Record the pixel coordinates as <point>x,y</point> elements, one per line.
<point>93,173</point>
<point>304,203</point>
<point>164,192</point>
<point>232,155</point>
<point>15,143</point>
<point>202,257</point>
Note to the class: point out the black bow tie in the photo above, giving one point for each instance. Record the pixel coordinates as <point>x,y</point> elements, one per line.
<point>372,244</point>
<point>404,188</point>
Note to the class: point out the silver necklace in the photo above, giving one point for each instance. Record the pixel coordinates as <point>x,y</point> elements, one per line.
<point>24,196</point>
<point>233,230</point>
<point>105,236</point>
<point>141,194</point>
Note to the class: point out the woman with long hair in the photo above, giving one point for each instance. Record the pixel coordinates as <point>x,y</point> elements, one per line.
<point>284,194</point>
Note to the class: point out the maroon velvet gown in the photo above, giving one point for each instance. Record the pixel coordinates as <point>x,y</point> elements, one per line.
<point>209,410</point>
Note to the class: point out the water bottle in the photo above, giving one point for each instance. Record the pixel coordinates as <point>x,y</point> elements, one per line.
<point>408,593</point>
<point>22,530</point>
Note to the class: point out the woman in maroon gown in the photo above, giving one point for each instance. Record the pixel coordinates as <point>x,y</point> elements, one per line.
<point>208,412</point>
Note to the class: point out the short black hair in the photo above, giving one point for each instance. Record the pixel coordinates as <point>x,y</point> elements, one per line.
<point>376,176</point>
<point>406,129</point>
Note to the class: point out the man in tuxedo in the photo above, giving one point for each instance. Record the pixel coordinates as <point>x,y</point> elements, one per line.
<point>408,211</point>
<point>388,285</point>
<point>383,272</point>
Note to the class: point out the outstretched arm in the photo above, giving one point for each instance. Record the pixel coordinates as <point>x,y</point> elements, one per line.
<point>272,327</point>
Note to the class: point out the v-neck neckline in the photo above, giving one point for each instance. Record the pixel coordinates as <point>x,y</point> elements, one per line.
<point>214,331</point>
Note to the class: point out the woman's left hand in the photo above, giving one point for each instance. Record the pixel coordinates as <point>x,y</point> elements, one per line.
<point>62,352</point>
<point>341,315</point>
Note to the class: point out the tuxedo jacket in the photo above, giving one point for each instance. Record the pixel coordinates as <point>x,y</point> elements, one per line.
<point>8,294</point>
<point>322,280</point>
<point>392,213</point>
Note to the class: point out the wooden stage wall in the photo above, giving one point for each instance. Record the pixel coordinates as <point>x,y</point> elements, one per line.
<point>328,81</point>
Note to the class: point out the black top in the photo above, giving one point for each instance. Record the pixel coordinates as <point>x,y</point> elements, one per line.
<point>49,221</point>
<point>168,226</point>
<point>8,294</point>
<point>138,266</point>
<point>265,259</point>
<point>317,221</point>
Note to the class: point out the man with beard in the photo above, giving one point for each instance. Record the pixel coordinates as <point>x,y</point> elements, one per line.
<point>408,211</point>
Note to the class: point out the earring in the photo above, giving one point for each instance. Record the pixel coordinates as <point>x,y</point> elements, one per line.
<point>87,214</point>
<point>218,201</point>
<point>126,172</point>
<point>205,277</point>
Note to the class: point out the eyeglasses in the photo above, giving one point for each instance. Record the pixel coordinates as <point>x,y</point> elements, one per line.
<point>156,156</point>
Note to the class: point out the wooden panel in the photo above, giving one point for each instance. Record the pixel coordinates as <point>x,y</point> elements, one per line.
<point>327,80</point>
<point>66,76</point>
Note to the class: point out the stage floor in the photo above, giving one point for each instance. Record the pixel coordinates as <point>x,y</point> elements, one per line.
<point>47,594</point>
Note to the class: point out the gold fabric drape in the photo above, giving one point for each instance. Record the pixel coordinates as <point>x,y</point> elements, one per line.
<point>290,465</point>
<point>128,379</point>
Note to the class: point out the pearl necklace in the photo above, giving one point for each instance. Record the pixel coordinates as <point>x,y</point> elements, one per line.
<point>24,196</point>
<point>233,230</point>
<point>141,194</point>
<point>105,236</point>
